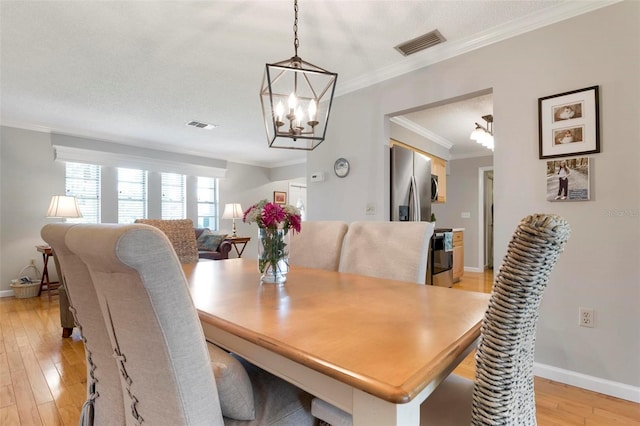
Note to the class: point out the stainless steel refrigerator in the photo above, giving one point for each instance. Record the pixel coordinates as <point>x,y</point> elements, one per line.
<point>410,185</point>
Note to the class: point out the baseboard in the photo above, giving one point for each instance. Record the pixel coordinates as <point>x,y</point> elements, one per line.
<point>6,293</point>
<point>472,269</point>
<point>595,384</point>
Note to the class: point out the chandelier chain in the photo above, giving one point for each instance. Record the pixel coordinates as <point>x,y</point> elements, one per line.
<point>296,42</point>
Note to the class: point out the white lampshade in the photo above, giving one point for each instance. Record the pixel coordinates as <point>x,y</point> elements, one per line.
<point>232,211</point>
<point>63,206</point>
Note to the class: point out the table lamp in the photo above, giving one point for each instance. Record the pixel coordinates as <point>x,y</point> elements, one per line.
<point>63,206</point>
<point>233,211</point>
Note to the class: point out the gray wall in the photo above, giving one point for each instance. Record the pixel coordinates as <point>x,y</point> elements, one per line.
<point>29,176</point>
<point>462,196</point>
<point>600,267</point>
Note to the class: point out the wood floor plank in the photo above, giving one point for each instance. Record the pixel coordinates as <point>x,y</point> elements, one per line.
<point>9,416</point>
<point>27,408</point>
<point>7,396</point>
<point>49,414</point>
<point>37,381</point>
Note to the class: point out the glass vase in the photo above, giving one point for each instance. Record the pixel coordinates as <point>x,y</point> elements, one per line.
<point>273,255</point>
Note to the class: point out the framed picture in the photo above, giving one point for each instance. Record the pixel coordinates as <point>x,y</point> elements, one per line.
<point>568,179</point>
<point>569,123</point>
<point>279,197</point>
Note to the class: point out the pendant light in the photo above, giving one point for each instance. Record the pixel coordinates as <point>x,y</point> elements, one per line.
<point>296,99</point>
<point>484,135</point>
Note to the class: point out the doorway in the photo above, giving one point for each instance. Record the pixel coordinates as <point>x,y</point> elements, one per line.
<point>485,217</point>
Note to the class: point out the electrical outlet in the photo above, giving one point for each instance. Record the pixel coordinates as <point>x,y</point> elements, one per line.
<point>370,209</point>
<point>587,317</point>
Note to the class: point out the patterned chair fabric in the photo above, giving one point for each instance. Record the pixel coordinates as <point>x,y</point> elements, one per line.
<point>393,250</point>
<point>502,392</point>
<point>181,233</point>
<point>105,404</point>
<point>319,245</point>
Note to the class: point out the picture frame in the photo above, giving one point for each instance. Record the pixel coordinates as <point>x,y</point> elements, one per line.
<point>279,197</point>
<point>570,184</point>
<point>569,123</point>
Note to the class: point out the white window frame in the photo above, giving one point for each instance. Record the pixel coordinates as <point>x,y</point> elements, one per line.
<point>83,182</point>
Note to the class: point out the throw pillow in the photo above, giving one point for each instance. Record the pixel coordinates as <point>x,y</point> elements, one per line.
<point>233,383</point>
<point>202,238</point>
<point>211,242</point>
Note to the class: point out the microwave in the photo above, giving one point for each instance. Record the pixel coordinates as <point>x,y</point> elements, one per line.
<point>434,188</point>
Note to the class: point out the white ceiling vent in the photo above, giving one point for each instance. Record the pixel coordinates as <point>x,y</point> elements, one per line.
<point>420,43</point>
<point>200,125</point>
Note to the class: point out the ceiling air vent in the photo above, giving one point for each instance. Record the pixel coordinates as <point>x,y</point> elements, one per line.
<point>201,125</point>
<point>420,43</point>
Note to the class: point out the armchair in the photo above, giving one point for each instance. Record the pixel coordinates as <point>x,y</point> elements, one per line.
<point>222,251</point>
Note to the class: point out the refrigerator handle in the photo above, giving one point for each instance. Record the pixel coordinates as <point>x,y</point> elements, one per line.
<point>414,196</point>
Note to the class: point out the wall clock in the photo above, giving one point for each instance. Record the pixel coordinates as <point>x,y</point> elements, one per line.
<point>341,167</point>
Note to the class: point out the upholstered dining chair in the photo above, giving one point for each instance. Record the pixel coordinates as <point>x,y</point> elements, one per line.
<point>168,373</point>
<point>393,250</point>
<point>182,235</point>
<point>319,246</point>
<point>502,392</point>
<point>104,404</point>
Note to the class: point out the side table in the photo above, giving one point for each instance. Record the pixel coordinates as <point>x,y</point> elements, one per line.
<point>238,240</point>
<point>47,252</point>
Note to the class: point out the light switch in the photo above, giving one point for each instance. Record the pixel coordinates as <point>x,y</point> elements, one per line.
<point>465,215</point>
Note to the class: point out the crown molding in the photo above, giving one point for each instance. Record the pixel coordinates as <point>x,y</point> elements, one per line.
<point>416,128</point>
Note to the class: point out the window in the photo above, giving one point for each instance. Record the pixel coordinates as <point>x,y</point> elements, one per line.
<point>83,182</point>
<point>132,195</point>
<point>207,203</point>
<point>173,196</point>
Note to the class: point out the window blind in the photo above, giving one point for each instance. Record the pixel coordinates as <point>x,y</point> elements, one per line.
<point>83,182</point>
<point>132,195</point>
<point>207,203</point>
<point>173,196</point>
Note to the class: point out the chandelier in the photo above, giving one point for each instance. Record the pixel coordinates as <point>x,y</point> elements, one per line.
<point>296,99</point>
<point>484,135</point>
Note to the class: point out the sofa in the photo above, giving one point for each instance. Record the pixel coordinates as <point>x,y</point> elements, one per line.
<point>206,249</point>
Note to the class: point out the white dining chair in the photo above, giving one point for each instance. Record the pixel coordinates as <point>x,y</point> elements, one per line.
<point>393,250</point>
<point>319,245</point>
<point>104,404</point>
<point>168,373</point>
<point>502,392</point>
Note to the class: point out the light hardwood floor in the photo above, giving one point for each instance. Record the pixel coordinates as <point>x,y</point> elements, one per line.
<point>43,377</point>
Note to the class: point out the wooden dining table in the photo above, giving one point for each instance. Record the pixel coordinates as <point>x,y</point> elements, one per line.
<point>375,348</point>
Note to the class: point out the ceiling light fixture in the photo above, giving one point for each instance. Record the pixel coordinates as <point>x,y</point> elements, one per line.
<point>484,135</point>
<point>289,88</point>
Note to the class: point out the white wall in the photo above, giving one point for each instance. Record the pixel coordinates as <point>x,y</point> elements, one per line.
<point>600,267</point>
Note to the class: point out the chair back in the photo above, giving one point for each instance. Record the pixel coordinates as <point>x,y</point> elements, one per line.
<point>105,404</point>
<point>159,345</point>
<point>503,391</point>
<point>318,245</point>
<point>393,250</point>
<point>182,235</point>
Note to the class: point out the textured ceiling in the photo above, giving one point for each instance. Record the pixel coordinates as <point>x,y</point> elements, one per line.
<point>135,72</point>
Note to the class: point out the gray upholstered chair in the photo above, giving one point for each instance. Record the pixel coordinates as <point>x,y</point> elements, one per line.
<point>104,398</point>
<point>502,392</point>
<point>168,372</point>
<point>182,235</point>
<point>318,245</point>
<point>394,250</point>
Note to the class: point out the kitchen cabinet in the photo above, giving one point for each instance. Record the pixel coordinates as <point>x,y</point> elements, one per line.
<point>458,255</point>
